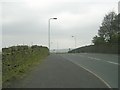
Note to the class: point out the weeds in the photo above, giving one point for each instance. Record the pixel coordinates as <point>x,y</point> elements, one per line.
<point>18,59</point>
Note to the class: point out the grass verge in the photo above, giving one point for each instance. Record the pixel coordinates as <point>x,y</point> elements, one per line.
<point>16,60</point>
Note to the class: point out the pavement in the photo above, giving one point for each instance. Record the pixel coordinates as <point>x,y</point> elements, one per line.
<point>62,71</point>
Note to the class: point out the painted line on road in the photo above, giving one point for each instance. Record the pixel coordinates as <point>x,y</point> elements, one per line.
<point>97,59</point>
<point>94,58</point>
<point>113,62</point>
<point>92,73</point>
<point>97,77</point>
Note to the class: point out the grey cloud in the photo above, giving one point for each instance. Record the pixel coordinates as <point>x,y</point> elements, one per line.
<point>24,24</point>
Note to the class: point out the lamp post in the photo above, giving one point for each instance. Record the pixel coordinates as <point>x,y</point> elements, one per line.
<point>75,40</point>
<point>49,31</point>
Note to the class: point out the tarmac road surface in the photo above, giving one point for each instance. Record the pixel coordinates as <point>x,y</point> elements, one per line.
<point>57,71</point>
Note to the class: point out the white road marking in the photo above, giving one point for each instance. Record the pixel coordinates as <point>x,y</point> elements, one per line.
<point>94,58</point>
<point>91,73</point>
<point>96,76</point>
<point>113,62</point>
<point>98,59</point>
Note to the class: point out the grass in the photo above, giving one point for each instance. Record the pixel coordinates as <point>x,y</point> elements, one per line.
<point>17,60</point>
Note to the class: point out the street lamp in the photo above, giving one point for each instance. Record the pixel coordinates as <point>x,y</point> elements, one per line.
<point>49,31</point>
<point>75,40</point>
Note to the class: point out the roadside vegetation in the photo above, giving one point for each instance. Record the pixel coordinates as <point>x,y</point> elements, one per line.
<point>16,60</point>
<point>108,38</point>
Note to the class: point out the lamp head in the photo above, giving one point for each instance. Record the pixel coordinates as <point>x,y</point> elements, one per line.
<point>54,18</point>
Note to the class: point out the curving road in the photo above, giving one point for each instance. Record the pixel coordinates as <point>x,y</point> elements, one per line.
<point>104,66</point>
<point>72,71</point>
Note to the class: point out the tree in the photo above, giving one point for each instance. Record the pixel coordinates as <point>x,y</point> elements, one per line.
<point>109,29</point>
<point>116,23</point>
<point>98,40</point>
<point>116,26</point>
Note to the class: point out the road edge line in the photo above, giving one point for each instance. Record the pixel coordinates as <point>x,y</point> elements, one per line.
<point>91,73</point>
<point>96,76</point>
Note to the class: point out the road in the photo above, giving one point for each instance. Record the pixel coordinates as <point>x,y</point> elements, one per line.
<point>72,71</point>
<point>104,66</point>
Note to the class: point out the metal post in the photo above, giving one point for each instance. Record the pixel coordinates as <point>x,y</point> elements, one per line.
<point>75,40</point>
<point>49,31</point>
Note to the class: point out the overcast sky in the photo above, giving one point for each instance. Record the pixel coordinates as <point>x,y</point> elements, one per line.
<point>26,21</point>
